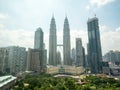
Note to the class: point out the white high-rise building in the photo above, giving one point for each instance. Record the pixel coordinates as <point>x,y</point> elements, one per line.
<point>17,59</point>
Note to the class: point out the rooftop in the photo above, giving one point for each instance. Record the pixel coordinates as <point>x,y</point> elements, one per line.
<point>6,79</point>
<point>92,19</point>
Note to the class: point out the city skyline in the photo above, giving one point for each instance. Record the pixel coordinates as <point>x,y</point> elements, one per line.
<point>19,20</point>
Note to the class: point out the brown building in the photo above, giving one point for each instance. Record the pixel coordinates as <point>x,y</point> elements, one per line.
<point>34,58</point>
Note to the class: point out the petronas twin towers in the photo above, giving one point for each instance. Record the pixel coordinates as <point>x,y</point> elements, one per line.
<point>53,43</point>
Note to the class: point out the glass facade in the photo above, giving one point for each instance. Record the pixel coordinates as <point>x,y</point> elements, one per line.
<point>94,48</point>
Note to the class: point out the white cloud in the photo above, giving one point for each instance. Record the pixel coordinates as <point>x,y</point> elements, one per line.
<point>100,2</point>
<point>17,37</point>
<point>110,40</point>
<point>93,4</point>
<point>118,29</point>
<point>87,7</point>
<point>1,25</point>
<point>3,16</point>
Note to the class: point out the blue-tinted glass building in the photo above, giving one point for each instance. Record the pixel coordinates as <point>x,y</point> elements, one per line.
<point>94,46</point>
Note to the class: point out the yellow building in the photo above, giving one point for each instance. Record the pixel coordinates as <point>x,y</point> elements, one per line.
<point>64,69</point>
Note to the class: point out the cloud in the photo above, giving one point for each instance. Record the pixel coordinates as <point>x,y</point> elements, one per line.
<point>87,7</point>
<point>100,2</point>
<point>18,37</point>
<point>110,40</point>
<point>97,3</point>
<point>3,16</point>
<point>1,25</point>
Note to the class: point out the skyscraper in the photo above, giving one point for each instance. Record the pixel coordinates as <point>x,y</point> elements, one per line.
<point>79,52</point>
<point>52,43</point>
<point>66,43</point>
<point>94,46</point>
<point>38,40</point>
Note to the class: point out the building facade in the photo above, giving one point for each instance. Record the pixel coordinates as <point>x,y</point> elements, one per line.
<point>79,52</point>
<point>66,43</point>
<point>33,60</point>
<point>4,64</point>
<point>17,59</point>
<point>36,60</point>
<point>73,56</point>
<point>44,63</point>
<point>38,40</point>
<point>52,43</point>
<point>84,58</point>
<point>59,58</point>
<point>94,46</point>
<point>112,56</point>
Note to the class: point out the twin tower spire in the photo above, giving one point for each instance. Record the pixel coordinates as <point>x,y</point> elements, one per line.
<point>53,43</point>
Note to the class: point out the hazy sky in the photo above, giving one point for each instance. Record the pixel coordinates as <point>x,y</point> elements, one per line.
<point>20,18</point>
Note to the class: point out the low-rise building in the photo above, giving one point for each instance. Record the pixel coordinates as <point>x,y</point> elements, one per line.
<point>64,69</point>
<point>6,82</point>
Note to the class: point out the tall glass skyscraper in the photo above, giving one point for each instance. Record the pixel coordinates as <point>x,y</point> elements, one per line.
<point>52,43</point>
<point>38,40</point>
<point>66,43</point>
<point>94,46</point>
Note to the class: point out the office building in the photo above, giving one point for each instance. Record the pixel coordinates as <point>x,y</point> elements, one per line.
<point>38,40</point>
<point>94,46</point>
<point>33,60</point>
<point>17,59</point>
<point>79,52</point>
<point>36,60</point>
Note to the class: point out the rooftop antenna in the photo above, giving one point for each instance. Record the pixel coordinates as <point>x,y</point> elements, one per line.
<point>95,15</point>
